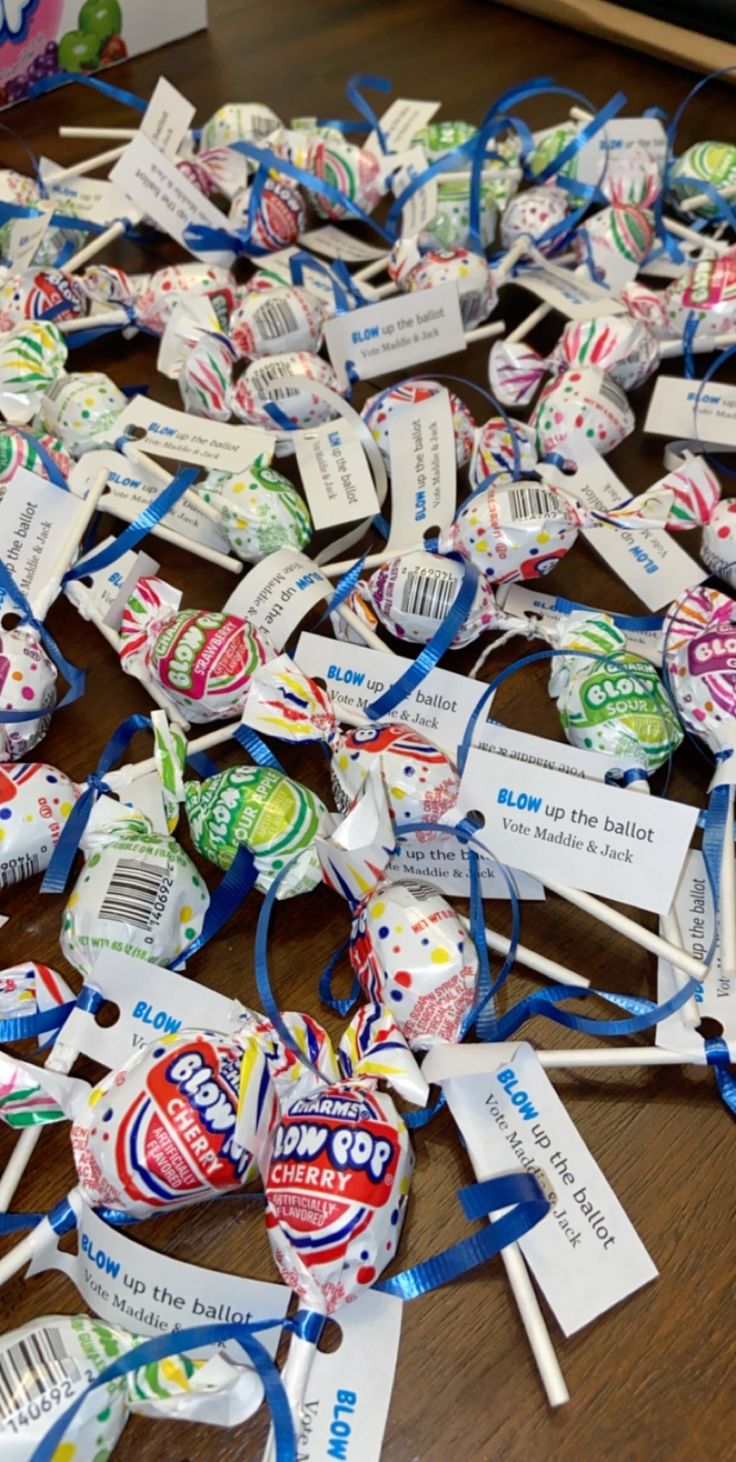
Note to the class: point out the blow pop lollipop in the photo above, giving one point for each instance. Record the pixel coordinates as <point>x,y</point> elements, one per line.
<point>35,802</point>
<point>27,683</point>
<point>26,450</point>
<point>413,271</point>
<point>707,293</point>
<point>202,660</point>
<point>354,171</point>
<point>33,989</point>
<point>260,510</point>
<point>534,214</point>
<point>283,319</point>
<point>378,410</point>
<point>615,705</point>
<point>261,385</point>
<point>32,358</point>
<point>713,163</point>
<point>274,215</point>
<point>37,295</point>
<point>582,400</point>
<point>81,410</point>
<point>239,122</point>
<point>412,594</point>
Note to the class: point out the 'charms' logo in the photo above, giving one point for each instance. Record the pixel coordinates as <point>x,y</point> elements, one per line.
<point>14,19</point>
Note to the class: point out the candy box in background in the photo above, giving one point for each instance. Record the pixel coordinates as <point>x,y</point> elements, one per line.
<point>40,37</point>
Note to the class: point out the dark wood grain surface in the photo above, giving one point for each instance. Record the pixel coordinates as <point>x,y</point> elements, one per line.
<point>652,1379</point>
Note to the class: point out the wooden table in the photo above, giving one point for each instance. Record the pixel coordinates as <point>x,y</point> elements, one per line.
<point>649,1380</point>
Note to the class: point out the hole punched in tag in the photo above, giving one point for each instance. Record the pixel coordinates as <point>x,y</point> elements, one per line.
<point>709,1028</point>
<point>476,820</point>
<point>107,1015</point>
<point>9,621</point>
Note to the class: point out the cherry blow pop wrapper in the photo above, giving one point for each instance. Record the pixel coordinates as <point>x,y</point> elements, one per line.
<point>138,892</point>
<point>71,1351</point>
<point>421,783</point>
<point>35,802</point>
<point>201,659</point>
<point>34,294</point>
<point>27,683</point>
<point>260,510</point>
<point>615,705</point>
<point>378,411</point>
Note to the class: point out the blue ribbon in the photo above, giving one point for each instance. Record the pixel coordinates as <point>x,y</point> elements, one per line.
<point>724,209</point>
<point>718,1058</point>
<point>176,1343</point>
<point>644,1013</point>
<point>137,530</point>
<point>63,78</point>
<point>257,748</point>
<point>51,467</point>
<point>340,1006</point>
<point>75,678</point>
<point>23,1027</point>
<point>227,897</point>
<point>432,651</point>
<point>528,1204</point>
<point>57,873</point>
<point>356,98</point>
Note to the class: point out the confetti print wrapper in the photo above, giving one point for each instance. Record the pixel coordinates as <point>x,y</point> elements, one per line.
<point>493,450</point>
<point>18,188</point>
<point>421,784</point>
<point>585,400</point>
<point>168,287</point>
<point>27,683</point>
<point>514,531</point>
<point>261,809</point>
<point>138,892</point>
<point>202,660</point>
<point>32,359</point>
<point>239,122</point>
<point>700,657</point>
<point>706,162</point>
<point>33,294</point>
<point>59,1355</point>
<point>618,705</point>
<point>160,1132</point>
<point>260,509</point>
<point>412,596</point>
<point>531,214</point>
<point>263,383</point>
<point>32,989</point>
<point>707,292</point>
<point>414,271</point>
<point>378,411</point>
<point>35,802</point>
<point>19,450</point>
<point>284,319</point>
<point>411,953</point>
<point>216,170</point>
<point>276,220</point>
<point>82,411</point>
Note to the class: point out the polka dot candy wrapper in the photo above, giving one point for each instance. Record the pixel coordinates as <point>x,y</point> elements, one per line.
<point>27,683</point>
<point>203,660</point>
<point>35,802</point>
<point>263,383</point>
<point>379,409</point>
<point>412,595</point>
<point>31,989</point>
<point>706,294</point>
<point>82,411</point>
<point>276,322</point>
<point>260,509</point>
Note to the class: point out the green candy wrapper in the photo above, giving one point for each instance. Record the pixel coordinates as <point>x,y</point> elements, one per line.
<point>619,706</point>
<point>260,510</point>
<point>264,810</point>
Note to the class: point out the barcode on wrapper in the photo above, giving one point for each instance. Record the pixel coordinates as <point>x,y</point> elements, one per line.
<point>133,892</point>
<point>31,1368</point>
<point>531,503</point>
<point>275,318</point>
<point>427,593</point>
<point>263,381</point>
<point>26,865</point>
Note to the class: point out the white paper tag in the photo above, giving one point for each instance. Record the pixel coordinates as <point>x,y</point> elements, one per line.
<point>672,412</point>
<point>355,676</point>
<point>585,1255</point>
<point>156,186</point>
<point>337,481</point>
<point>396,333</point>
<point>276,594</point>
<point>446,865</point>
<point>715,998</point>
<point>518,600</point>
<point>23,238</point>
<point>128,493</point>
<point>349,1390</point>
<point>95,599</point>
<point>167,118</point>
<point>538,751</point>
<point>400,123</point>
<point>578,299</point>
<point>421,444</point>
<point>95,199</point>
<point>38,521</point>
<point>649,560</point>
<point>151,1002</point>
<point>591,836</point>
<point>146,1291</point>
<point>333,243</point>
<point>170,433</point>
<point>615,140</point>
<point>421,207</point>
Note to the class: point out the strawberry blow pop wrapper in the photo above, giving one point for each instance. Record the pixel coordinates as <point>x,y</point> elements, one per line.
<point>706,294</point>
<point>35,802</point>
<point>615,705</point>
<point>276,818</point>
<point>27,683</point>
<point>203,660</point>
<point>421,783</point>
<point>138,892</point>
<point>260,509</point>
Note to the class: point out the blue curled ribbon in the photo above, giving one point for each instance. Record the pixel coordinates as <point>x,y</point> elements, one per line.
<point>64,78</point>
<point>74,677</point>
<point>718,1058</point>
<point>257,748</point>
<point>341,1006</point>
<point>346,293</point>
<point>50,466</point>
<point>345,586</point>
<point>432,651</point>
<point>237,883</point>
<point>521,1193</point>
<point>177,1342</point>
<point>131,536</point>
<point>57,874</point>
<point>356,98</point>
<point>644,1013</point>
<point>23,1027</point>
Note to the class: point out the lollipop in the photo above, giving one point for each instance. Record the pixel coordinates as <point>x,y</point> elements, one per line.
<point>616,240</point>
<point>420,782</point>
<point>37,295</point>
<point>20,450</point>
<point>614,705</point>
<point>354,171</point>
<point>533,214</point>
<point>548,145</point>
<point>707,292</point>
<point>412,595</point>
<point>427,975</point>
<point>514,530</point>
<point>82,410</point>
<point>265,811</point>
<point>32,989</point>
<point>261,384</point>
<point>260,511</point>
<point>206,377</point>
<point>138,892</point>
<point>413,271</point>
<point>239,122</point>
<point>165,289</point>
<point>493,449</point>
<point>584,400</point>
<point>449,227</point>
<point>32,358</point>
<point>285,319</point>
<point>275,216</point>
<point>35,802</point>
<point>27,683</point>
<point>713,163</point>
<point>378,410</point>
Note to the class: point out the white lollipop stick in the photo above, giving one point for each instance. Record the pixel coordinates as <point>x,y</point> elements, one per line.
<point>60,1059</point>
<point>528,324</point>
<point>688,205</point>
<point>550,1371</point>
<point>630,929</point>
<point>295,1379</point>
<point>702,241</point>
<point>90,322</point>
<point>88,165</point>
<point>617,1056</point>
<point>106,134</point>
<point>369,271</point>
<point>485,332</point>
<point>95,246</point>
<point>18,1257</point>
<point>128,512</point>
<point>700,344</point>
<point>548,968</point>
<point>141,459</point>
